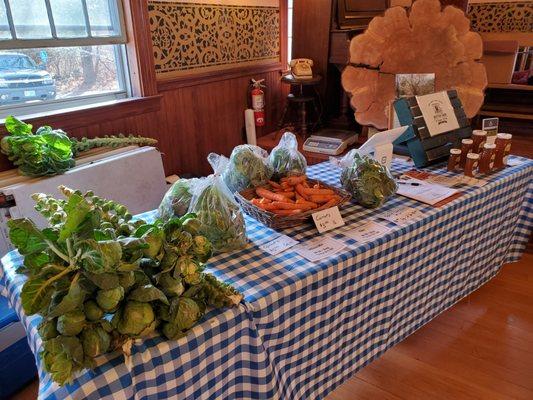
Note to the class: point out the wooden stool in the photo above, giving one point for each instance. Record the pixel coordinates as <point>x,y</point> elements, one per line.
<point>301,102</point>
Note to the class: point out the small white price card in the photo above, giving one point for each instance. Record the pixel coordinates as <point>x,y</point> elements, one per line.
<point>319,248</point>
<point>402,216</point>
<point>368,232</point>
<point>328,219</point>
<point>278,245</point>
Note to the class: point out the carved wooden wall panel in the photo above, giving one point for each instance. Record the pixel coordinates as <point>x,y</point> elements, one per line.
<point>198,37</point>
<point>501,17</point>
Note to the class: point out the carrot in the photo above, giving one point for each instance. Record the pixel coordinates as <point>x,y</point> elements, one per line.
<point>264,206</point>
<point>274,185</point>
<point>289,195</point>
<point>305,185</point>
<point>267,194</point>
<point>286,212</point>
<point>318,191</point>
<point>263,200</point>
<point>294,180</point>
<point>301,191</point>
<point>329,204</point>
<point>286,206</point>
<point>285,185</point>
<point>308,204</point>
<point>322,198</point>
<point>299,197</point>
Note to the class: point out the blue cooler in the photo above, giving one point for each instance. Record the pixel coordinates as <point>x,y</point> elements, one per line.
<point>17,364</point>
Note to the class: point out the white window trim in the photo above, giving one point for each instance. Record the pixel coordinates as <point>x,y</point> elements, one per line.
<point>16,43</point>
<point>125,91</point>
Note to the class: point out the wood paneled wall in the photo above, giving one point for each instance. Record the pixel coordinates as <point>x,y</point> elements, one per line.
<point>197,120</point>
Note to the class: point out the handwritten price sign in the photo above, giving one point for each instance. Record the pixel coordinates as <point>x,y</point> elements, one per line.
<point>328,219</point>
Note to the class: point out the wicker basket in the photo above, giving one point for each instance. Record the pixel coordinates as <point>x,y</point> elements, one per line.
<point>283,221</point>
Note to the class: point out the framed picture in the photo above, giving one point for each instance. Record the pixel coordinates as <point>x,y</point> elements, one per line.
<point>408,85</point>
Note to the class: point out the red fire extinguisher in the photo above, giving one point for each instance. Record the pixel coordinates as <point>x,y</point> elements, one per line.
<point>258,102</point>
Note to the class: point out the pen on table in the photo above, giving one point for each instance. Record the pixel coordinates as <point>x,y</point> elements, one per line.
<point>409,183</point>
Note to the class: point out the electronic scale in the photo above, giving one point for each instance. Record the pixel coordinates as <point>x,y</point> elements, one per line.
<point>329,141</point>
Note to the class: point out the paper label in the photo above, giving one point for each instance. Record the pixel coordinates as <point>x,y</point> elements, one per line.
<point>423,191</point>
<point>438,113</point>
<point>278,245</point>
<point>328,219</point>
<point>402,216</point>
<point>319,248</point>
<point>368,232</point>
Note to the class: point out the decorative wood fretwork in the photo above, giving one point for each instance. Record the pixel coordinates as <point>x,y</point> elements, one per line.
<point>190,37</point>
<point>501,17</point>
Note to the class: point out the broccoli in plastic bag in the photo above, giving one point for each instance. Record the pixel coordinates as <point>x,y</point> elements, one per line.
<point>369,182</point>
<point>177,199</point>
<point>285,158</point>
<point>212,202</point>
<point>248,167</point>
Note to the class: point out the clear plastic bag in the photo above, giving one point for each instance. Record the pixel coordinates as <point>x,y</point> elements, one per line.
<point>285,159</point>
<point>177,199</point>
<point>369,182</point>
<point>248,167</point>
<point>212,202</point>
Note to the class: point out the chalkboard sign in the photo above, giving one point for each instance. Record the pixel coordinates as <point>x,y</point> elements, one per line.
<point>420,141</point>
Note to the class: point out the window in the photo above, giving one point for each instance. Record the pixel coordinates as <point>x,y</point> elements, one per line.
<point>57,54</point>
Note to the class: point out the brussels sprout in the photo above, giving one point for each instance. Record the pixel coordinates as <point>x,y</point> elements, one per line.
<point>127,279</point>
<point>192,226</point>
<point>186,314</point>
<point>95,341</point>
<point>202,248</point>
<point>171,286</point>
<point>109,299</point>
<point>71,323</point>
<point>154,238</point>
<point>47,329</point>
<point>137,319</point>
<point>92,311</point>
<point>181,241</point>
<point>171,331</point>
<point>188,269</point>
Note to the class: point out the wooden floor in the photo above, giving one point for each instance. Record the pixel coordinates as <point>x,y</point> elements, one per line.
<point>482,348</point>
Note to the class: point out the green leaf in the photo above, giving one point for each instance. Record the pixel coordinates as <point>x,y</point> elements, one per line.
<point>34,294</point>
<point>16,127</point>
<point>26,237</point>
<point>36,261</point>
<point>104,280</point>
<point>72,300</point>
<point>148,293</point>
<point>100,257</point>
<point>77,209</point>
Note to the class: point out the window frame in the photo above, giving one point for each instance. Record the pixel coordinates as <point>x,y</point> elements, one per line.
<point>119,43</point>
<point>16,43</point>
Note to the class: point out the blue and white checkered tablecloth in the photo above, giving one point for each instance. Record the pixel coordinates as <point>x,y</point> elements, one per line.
<point>304,327</point>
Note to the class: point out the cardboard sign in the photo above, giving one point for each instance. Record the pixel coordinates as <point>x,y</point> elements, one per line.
<point>278,245</point>
<point>319,248</point>
<point>368,232</point>
<point>438,113</point>
<point>328,219</point>
<point>490,125</point>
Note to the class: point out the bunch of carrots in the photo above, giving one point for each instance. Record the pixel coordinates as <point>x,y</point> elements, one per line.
<point>294,195</point>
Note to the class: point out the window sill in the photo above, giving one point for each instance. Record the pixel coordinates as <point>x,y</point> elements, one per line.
<point>78,117</point>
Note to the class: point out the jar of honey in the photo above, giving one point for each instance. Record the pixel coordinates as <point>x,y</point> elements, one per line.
<point>479,138</point>
<point>454,160</point>
<point>472,160</point>
<point>466,147</point>
<point>503,148</point>
<point>486,161</point>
